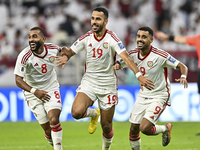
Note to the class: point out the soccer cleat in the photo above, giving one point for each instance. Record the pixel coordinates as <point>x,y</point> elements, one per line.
<point>93,122</point>
<point>166,136</point>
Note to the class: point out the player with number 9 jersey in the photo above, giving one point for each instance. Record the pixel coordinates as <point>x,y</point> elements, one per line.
<point>154,66</point>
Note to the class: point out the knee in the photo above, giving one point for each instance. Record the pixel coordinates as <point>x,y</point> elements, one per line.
<point>106,127</point>
<point>145,130</point>
<point>76,114</point>
<point>53,120</point>
<point>134,129</point>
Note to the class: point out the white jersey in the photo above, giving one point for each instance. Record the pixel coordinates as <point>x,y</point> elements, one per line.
<point>38,70</point>
<point>154,67</point>
<point>100,56</point>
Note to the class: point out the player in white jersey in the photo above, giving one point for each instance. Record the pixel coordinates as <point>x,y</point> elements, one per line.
<point>152,63</point>
<point>35,74</point>
<point>99,81</point>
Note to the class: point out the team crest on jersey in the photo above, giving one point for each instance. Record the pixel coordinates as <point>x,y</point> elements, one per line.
<point>51,59</point>
<point>150,63</point>
<point>105,45</point>
<point>121,46</point>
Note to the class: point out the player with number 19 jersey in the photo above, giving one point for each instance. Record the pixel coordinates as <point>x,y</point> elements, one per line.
<point>100,56</point>
<point>38,70</point>
<point>154,67</point>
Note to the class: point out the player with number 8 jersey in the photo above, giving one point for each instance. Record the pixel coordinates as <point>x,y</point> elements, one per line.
<point>35,74</point>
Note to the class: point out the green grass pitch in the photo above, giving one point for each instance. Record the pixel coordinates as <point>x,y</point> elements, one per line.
<point>30,136</point>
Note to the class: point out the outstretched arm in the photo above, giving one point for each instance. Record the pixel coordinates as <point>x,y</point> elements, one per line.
<point>143,81</point>
<point>184,72</point>
<point>178,39</point>
<point>65,55</point>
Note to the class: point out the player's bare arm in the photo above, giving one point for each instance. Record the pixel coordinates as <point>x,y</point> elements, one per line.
<point>143,81</point>
<point>178,39</point>
<point>42,95</point>
<point>184,73</point>
<point>65,55</point>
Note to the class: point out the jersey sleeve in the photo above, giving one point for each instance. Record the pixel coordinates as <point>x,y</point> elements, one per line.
<point>171,62</point>
<point>77,46</point>
<point>20,68</point>
<point>192,40</point>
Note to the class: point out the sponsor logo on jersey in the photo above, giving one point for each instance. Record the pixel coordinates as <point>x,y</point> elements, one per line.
<point>150,63</point>
<point>152,117</point>
<point>51,59</point>
<point>105,45</point>
<point>121,46</point>
<point>90,45</point>
<point>171,59</point>
<point>36,64</point>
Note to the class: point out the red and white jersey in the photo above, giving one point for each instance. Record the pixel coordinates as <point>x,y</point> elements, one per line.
<point>154,67</point>
<point>100,56</point>
<point>38,70</point>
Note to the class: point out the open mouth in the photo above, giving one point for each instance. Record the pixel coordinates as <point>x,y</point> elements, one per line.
<point>32,45</point>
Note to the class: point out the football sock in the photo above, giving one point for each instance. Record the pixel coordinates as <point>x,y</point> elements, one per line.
<point>157,129</point>
<point>135,141</point>
<point>107,140</point>
<point>56,133</point>
<point>49,139</point>
<point>90,113</point>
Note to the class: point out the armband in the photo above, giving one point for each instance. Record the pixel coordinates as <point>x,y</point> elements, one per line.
<point>183,76</point>
<point>171,38</point>
<point>32,90</point>
<point>138,74</point>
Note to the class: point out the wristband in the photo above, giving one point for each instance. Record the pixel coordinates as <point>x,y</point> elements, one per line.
<point>32,90</point>
<point>138,74</point>
<point>183,76</point>
<point>171,38</point>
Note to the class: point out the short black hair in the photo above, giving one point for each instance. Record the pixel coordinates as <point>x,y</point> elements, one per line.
<point>102,9</point>
<point>147,29</point>
<point>38,28</point>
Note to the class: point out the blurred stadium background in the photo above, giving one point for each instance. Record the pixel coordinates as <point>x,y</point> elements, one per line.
<point>65,20</point>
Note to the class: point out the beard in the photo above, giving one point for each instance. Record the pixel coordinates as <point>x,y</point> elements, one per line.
<point>38,45</point>
<point>100,28</point>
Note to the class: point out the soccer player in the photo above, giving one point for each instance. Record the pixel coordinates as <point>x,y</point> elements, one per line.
<point>152,63</point>
<point>99,81</point>
<point>190,40</point>
<point>35,74</point>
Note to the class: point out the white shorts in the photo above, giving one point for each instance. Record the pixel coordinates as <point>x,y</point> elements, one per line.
<point>41,109</point>
<point>107,97</point>
<point>148,108</point>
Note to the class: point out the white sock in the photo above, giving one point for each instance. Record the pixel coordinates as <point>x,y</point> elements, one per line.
<point>91,113</point>
<point>135,141</point>
<point>56,134</point>
<point>107,140</point>
<point>160,129</point>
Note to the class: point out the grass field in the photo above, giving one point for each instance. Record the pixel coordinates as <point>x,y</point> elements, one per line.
<point>30,136</point>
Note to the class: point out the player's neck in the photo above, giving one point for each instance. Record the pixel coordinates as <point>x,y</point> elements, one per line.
<point>144,52</point>
<point>99,35</point>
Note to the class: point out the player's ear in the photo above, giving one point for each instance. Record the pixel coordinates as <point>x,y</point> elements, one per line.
<point>44,38</point>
